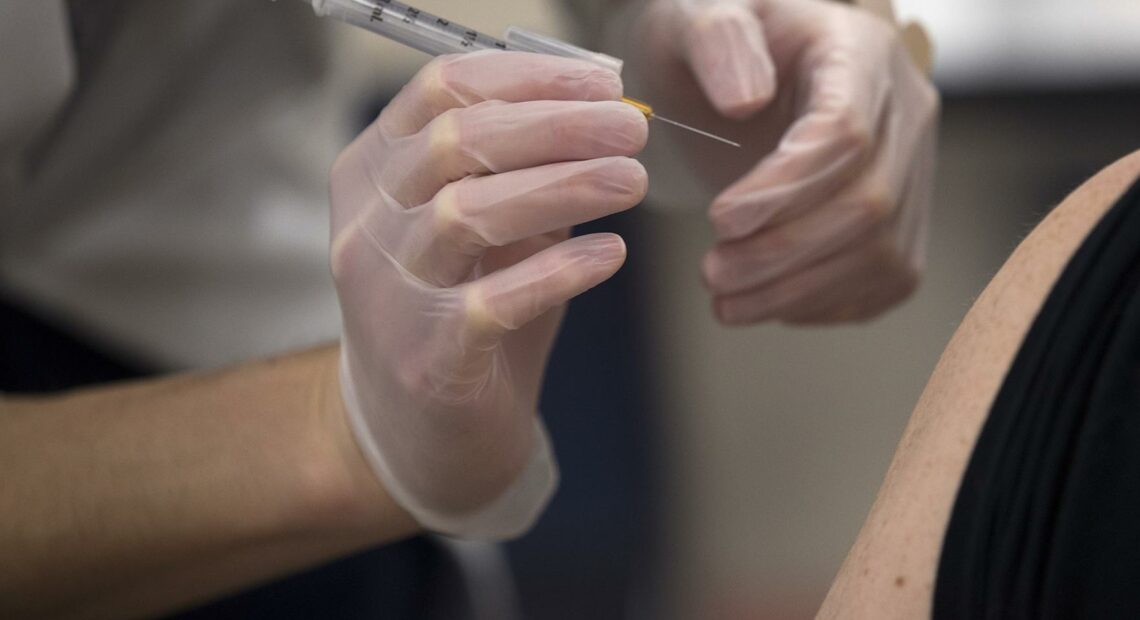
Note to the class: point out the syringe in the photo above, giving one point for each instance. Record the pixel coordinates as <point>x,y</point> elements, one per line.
<point>435,35</point>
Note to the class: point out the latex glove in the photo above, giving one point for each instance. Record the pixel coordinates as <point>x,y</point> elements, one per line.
<point>822,215</point>
<point>450,252</point>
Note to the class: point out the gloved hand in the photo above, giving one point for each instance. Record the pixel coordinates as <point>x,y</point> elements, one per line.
<point>452,261</point>
<point>824,215</point>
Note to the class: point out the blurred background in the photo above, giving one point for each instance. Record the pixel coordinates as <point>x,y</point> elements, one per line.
<point>720,473</point>
<point>723,473</point>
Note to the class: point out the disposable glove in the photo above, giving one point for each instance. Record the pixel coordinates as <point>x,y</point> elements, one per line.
<point>821,217</point>
<point>453,262</point>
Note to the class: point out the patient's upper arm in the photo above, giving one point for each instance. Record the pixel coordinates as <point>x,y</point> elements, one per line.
<point>890,571</point>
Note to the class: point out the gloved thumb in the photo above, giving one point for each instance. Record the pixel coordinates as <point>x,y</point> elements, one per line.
<point>726,49</point>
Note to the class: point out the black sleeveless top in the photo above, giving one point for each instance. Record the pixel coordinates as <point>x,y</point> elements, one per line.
<point>1047,519</point>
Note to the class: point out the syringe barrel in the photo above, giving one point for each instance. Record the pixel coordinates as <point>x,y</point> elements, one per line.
<point>408,25</point>
<point>435,35</point>
<point>526,41</point>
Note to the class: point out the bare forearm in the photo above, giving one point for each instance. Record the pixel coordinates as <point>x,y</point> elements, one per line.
<point>146,497</point>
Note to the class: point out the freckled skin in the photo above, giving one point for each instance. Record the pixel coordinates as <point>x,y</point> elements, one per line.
<point>900,540</point>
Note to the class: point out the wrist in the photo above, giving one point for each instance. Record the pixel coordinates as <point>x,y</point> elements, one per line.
<point>348,493</point>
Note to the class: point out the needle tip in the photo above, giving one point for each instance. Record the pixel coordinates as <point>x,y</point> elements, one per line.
<point>697,131</point>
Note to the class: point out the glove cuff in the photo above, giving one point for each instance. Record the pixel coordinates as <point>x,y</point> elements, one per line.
<point>508,516</point>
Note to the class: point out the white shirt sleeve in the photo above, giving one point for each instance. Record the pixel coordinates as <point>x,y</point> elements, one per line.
<point>37,70</point>
<point>177,211</point>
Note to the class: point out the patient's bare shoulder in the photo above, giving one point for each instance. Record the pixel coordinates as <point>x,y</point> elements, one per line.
<point>890,571</point>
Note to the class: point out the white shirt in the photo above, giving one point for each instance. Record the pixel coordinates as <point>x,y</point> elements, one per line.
<point>172,203</point>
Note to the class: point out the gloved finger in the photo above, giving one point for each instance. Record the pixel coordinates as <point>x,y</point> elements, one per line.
<point>841,277</point>
<point>822,284</point>
<point>861,296</point>
<point>523,342</point>
<point>773,252</point>
<point>477,213</point>
<point>513,297</point>
<point>822,150</point>
<point>460,80</point>
<point>497,258</point>
<point>499,137</point>
<point>867,303</point>
<point>448,236</point>
<point>725,46</point>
